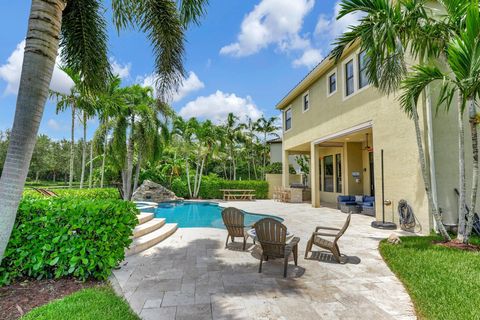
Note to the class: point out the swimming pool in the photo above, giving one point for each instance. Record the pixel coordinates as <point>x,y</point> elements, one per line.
<point>198,214</point>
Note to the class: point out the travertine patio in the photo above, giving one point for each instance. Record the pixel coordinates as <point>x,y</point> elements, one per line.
<point>192,276</point>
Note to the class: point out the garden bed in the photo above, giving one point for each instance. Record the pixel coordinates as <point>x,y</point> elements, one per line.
<point>19,298</point>
<point>443,282</point>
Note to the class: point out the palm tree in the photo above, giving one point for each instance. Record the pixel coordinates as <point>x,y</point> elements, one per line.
<point>233,134</point>
<point>268,128</point>
<point>108,103</point>
<point>79,29</point>
<point>183,132</point>
<point>463,79</point>
<point>65,101</point>
<point>386,31</point>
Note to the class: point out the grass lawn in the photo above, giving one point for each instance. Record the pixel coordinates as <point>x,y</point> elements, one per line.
<point>99,303</point>
<point>444,283</point>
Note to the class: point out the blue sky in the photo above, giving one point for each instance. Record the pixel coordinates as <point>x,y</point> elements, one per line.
<point>243,58</point>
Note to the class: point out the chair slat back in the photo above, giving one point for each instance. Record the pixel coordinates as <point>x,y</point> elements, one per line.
<point>272,236</point>
<point>344,228</point>
<point>233,219</point>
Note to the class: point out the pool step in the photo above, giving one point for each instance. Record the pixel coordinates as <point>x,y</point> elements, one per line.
<point>144,217</point>
<point>147,227</point>
<point>150,239</point>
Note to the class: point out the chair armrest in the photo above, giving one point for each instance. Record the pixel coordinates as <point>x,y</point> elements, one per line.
<point>294,241</point>
<point>323,234</point>
<point>326,228</point>
<point>289,246</point>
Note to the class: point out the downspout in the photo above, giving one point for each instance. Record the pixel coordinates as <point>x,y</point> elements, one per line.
<point>431,152</point>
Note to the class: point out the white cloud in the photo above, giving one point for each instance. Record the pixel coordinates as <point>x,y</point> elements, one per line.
<point>123,71</point>
<point>331,28</point>
<point>310,58</point>
<point>54,125</point>
<point>11,71</point>
<point>191,84</point>
<point>218,105</point>
<point>271,22</point>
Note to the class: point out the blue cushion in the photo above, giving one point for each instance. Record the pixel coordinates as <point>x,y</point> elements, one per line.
<point>368,199</point>
<point>342,199</point>
<point>367,204</point>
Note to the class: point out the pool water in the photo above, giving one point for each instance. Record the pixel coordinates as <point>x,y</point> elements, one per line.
<point>199,214</point>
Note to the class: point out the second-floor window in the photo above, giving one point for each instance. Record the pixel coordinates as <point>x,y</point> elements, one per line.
<point>349,78</point>
<point>332,83</point>
<point>306,101</point>
<point>362,69</point>
<point>288,119</point>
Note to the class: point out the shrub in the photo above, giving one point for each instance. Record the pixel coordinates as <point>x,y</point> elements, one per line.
<point>211,186</point>
<point>94,193</point>
<point>60,236</point>
<point>277,168</point>
<point>180,188</point>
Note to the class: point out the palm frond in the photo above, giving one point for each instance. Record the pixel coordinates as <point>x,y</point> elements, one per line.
<point>84,42</point>
<point>416,82</point>
<point>192,10</point>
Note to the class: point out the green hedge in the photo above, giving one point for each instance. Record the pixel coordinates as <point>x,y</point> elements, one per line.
<point>94,193</point>
<point>65,236</point>
<point>211,186</point>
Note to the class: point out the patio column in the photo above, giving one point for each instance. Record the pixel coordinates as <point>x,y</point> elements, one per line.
<point>315,175</point>
<point>285,169</point>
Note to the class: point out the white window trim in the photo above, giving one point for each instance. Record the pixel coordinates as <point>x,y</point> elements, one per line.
<point>303,101</point>
<point>334,71</point>
<point>356,76</point>
<point>357,53</point>
<point>353,59</point>
<point>285,130</point>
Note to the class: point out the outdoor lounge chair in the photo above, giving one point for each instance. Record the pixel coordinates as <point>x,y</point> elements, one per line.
<point>332,246</point>
<point>233,219</point>
<point>272,236</point>
<point>45,192</point>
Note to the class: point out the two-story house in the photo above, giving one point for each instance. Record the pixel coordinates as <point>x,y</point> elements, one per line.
<point>343,123</point>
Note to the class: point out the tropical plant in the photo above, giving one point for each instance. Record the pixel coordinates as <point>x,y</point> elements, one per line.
<point>462,79</point>
<point>79,29</point>
<point>267,128</point>
<point>387,32</point>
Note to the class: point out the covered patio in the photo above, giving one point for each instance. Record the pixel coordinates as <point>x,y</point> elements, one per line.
<point>340,164</point>
<point>192,276</point>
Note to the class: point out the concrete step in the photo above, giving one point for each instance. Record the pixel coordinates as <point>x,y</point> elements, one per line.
<point>147,227</point>
<point>144,217</point>
<point>149,240</point>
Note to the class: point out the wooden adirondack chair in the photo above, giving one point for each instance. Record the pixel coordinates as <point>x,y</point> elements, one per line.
<point>233,219</point>
<point>332,246</point>
<point>272,236</point>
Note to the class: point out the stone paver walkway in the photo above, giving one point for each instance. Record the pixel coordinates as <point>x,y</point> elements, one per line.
<point>192,276</point>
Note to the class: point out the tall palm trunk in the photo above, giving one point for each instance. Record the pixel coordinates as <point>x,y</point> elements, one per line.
<point>188,178</point>
<point>90,176</point>
<point>41,49</point>
<point>472,113</point>
<point>461,172</point>
<point>137,172</point>
<point>264,154</point>
<point>426,180</point>
<point>102,174</point>
<point>84,149</point>
<point>72,147</point>
<point>129,163</point>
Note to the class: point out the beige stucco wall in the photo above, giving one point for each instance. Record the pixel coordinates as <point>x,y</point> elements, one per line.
<point>445,132</point>
<point>392,131</point>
